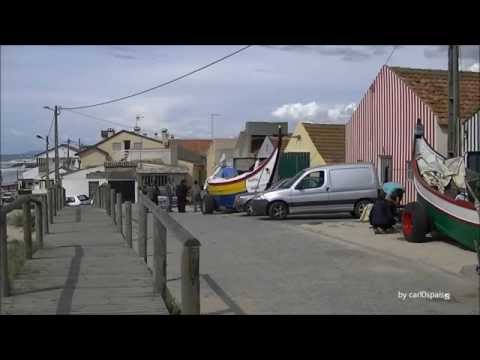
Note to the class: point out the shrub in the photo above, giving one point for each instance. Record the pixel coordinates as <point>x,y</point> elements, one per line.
<point>15,218</point>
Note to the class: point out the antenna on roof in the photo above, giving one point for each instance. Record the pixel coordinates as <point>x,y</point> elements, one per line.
<point>137,119</point>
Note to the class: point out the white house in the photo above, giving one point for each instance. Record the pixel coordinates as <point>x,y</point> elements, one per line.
<point>83,182</point>
<point>67,155</point>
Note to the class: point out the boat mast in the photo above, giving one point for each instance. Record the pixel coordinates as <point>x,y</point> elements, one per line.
<point>453,102</point>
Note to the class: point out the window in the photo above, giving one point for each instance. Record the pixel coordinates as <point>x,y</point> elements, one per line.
<point>116,146</point>
<point>313,180</point>
<point>137,146</point>
<point>126,144</point>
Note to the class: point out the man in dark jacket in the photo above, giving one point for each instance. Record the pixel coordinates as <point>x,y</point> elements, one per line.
<point>384,213</point>
<point>182,191</point>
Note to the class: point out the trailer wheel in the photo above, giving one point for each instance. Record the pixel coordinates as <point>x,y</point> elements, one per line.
<point>249,209</point>
<point>415,222</point>
<point>208,204</point>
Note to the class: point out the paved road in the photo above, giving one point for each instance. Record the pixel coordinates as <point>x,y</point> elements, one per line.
<point>258,266</point>
<point>84,268</point>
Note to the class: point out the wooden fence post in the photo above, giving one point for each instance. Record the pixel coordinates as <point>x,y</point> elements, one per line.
<point>78,214</point>
<point>119,213</point>
<point>191,277</point>
<point>50,205</point>
<point>27,230</point>
<point>159,257</point>
<point>97,198</point>
<point>128,223</point>
<point>39,224</point>
<point>45,214</point>
<point>54,200</point>
<point>5,285</point>
<point>112,205</point>
<point>107,200</point>
<point>142,230</point>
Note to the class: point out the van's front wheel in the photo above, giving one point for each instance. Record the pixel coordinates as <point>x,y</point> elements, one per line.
<point>278,210</point>
<point>359,207</point>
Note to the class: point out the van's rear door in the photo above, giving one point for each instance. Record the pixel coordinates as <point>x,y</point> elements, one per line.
<point>350,184</point>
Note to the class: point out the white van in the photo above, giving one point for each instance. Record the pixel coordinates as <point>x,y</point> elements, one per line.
<point>329,188</point>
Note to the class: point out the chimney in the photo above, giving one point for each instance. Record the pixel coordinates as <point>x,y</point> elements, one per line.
<point>165,136</point>
<point>107,133</point>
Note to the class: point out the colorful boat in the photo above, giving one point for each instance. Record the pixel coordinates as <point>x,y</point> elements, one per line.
<point>222,187</point>
<point>436,208</point>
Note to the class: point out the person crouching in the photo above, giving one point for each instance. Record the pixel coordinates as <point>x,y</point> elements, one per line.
<point>384,213</point>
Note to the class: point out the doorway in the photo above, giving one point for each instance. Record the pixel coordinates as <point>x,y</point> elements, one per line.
<point>385,169</point>
<point>126,188</point>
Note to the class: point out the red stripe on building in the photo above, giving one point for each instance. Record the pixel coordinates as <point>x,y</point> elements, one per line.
<point>383,124</point>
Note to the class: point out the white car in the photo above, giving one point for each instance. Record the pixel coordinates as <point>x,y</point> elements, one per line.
<point>78,200</point>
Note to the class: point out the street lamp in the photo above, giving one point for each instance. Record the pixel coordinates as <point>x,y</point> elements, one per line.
<point>46,153</point>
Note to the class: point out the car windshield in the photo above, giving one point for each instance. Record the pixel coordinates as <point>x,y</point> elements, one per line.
<point>82,197</point>
<point>279,184</point>
<point>289,182</point>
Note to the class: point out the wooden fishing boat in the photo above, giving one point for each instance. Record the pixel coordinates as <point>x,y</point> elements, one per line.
<point>221,191</point>
<point>435,208</point>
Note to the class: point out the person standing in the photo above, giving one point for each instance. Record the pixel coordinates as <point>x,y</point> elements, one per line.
<point>196,195</point>
<point>170,192</point>
<point>182,191</point>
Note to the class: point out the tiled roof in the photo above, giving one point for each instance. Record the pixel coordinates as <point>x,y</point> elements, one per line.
<point>329,139</point>
<point>199,146</point>
<point>432,87</point>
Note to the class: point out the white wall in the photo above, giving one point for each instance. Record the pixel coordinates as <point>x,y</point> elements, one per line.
<point>77,183</point>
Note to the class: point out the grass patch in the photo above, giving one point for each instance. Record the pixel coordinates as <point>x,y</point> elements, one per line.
<point>16,256</point>
<point>16,218</point>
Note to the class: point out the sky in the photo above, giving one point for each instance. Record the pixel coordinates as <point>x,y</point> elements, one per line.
<point>263,83</point>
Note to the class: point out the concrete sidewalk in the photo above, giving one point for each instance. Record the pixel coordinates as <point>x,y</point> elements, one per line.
<point>435,252</point>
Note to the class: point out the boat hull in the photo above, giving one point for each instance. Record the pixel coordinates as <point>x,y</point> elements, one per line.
<point>460,231</point>
<point>456,219</point>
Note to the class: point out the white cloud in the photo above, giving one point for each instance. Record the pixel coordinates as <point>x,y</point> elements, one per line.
<point>475,67</point>
<point>314,111</point>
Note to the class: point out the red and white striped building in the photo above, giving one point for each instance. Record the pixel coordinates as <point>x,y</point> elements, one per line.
<point>381,127</point>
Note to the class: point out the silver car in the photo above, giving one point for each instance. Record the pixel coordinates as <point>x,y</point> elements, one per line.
<point>243,203</point>
<point>329,188</point>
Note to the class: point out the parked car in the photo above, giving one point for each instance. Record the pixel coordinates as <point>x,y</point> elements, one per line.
<point>329,188</point>
<point>242,201</point>
<point>77,200</point>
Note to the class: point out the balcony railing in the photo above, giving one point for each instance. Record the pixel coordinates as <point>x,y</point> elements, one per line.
<point>139,155</point>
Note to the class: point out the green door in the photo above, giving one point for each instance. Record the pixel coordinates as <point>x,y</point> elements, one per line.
<point>291,163</point>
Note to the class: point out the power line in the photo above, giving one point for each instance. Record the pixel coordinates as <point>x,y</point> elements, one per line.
<point>388,59</point>
<point>50,130</point>
<point>100,119</point>
<point>161,85</point>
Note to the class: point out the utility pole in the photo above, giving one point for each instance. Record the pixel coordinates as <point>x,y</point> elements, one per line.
<point>453,102</point>
<point>48,159</point>
<point>57,169</point>
<point>213,140</point>
<point>68,153</point>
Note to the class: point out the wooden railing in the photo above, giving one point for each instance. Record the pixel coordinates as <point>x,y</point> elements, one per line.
<point>46,206</point>
<point>111,201</point>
